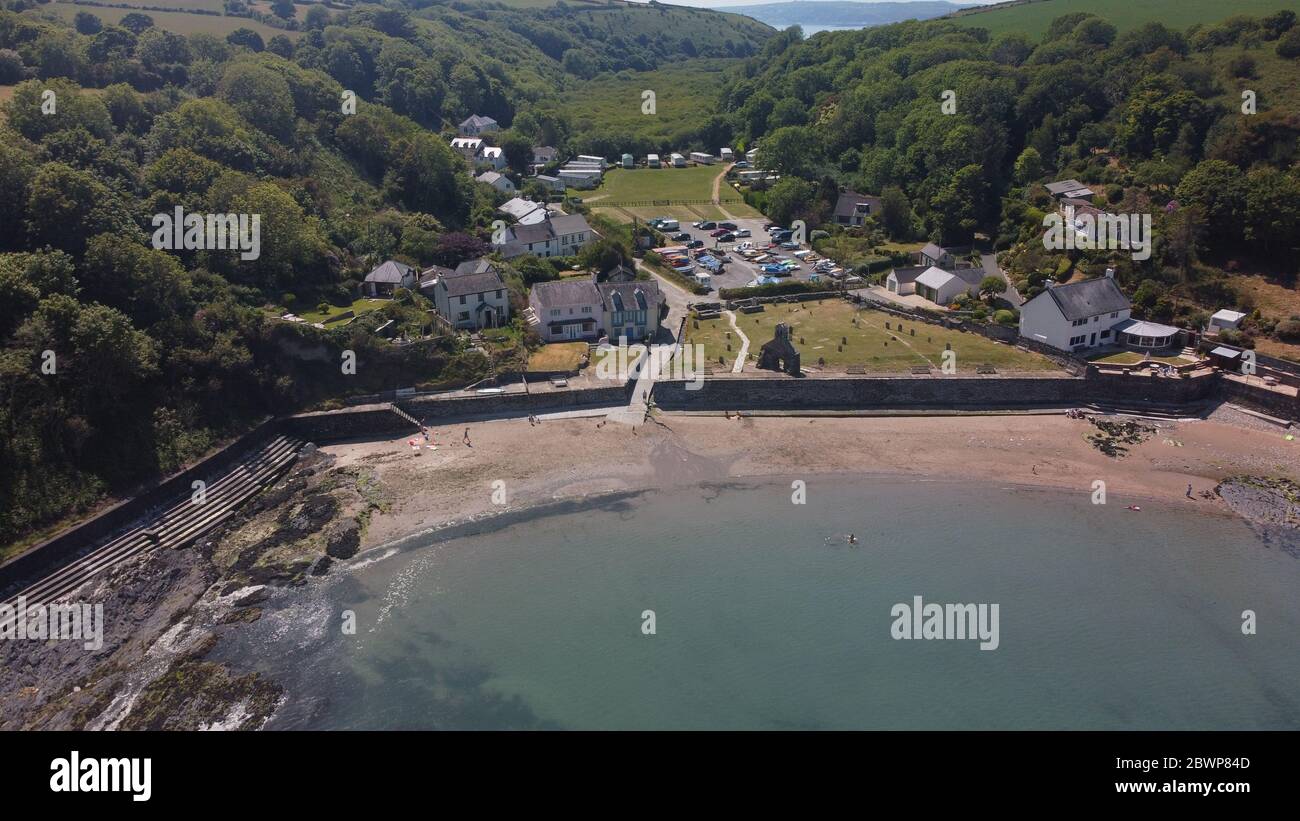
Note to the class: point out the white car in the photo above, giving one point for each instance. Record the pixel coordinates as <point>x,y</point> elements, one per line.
<point>742,232</point>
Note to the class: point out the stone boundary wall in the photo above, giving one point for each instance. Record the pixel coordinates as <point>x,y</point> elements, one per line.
<point>379,420</point>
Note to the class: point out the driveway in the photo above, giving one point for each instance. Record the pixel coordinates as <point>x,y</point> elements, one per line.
<point>990,263</point>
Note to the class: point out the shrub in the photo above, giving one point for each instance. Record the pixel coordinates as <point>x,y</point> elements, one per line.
<point>1288,330</point>
<point>1288,45</point>
<point>1004,317</point>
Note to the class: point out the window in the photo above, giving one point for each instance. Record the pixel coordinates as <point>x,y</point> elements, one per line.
<point>1076,323</point>
<point>498,293</point>
<point>1097,318</point>
<point>555,312</point>
<point>462,300</point>
<point>1114,314</point>
<point>586,309</point>
<point>463,316</point>
<point>1105,334</point>
<point>482,297</point>
<point>1078,340</point>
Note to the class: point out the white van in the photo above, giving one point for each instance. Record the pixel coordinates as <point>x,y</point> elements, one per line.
<point>669,225</point>
<point>704,279</point>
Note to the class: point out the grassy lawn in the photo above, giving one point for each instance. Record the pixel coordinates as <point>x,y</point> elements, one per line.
<point>1133,357</point>
<point>1033,18</point>
<point>557,356</point>
<point>642,184</point>
<point>817,328</point>
<point>686,94</point>
<point>359,307</point>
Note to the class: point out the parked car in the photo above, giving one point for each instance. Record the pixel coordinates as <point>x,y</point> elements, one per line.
<point>742,164</point>
<point>719,232</point>
<point>743,232</point>
<point>682,237</point>
<point>727,236</point>
<point>790,245</point>
<point>730,226</point>
<point>695,243</point>
<point>707,225</point>
<point>772,227</point>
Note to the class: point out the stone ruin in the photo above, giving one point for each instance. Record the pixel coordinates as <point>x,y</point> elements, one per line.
<point>779,354</point>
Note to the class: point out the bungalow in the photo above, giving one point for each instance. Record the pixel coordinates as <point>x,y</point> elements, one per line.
<point>559,235</point>
<point>585,309</point>
<point>498,181</point>
<point>471,297</point>
<point>942,287</point>
<point>525,212</point>
<point>1077,316</point>
<point>493,157</point>
<point>475,125</point>
<point>1072,189</point>
<point>387,277</point>
<point>467,147</point>
<point>853,208</point>
<point>902,281</point>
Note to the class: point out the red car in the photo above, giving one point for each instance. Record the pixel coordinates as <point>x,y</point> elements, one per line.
<point>719,232</point>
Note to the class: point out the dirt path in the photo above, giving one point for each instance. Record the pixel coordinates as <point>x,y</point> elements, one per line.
<point>717,191</point>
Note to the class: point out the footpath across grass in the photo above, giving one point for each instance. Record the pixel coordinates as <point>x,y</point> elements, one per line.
<point>844,335</point>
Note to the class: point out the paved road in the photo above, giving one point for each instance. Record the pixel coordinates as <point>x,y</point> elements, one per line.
<point>990,263</point>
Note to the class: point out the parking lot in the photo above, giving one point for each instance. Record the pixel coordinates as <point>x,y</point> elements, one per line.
<point>738,272</point>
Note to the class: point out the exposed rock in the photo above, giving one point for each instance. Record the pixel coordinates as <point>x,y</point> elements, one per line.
<point>343,539</point>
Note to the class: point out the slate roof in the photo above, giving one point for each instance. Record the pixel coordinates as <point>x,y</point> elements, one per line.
<point>909,274</point>
<point>641,295</point>
<point>566,292</point>
<point>846,205</point>
<point>476,121</point>
<point>933,251</point>
<point>389,271</point>
<point>1087,298</point>
<point>466,284</point>
<point>474,266</point>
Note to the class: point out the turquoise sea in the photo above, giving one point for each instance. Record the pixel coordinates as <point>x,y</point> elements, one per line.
<point>765,618</point>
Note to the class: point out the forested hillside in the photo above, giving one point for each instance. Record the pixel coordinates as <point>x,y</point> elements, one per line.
<point>1198,128</point>
<point>119,362</point>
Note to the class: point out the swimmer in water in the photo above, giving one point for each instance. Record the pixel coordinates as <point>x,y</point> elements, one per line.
<point>853,539</point>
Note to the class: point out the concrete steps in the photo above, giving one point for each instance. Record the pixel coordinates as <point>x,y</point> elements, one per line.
<point>177,526</point>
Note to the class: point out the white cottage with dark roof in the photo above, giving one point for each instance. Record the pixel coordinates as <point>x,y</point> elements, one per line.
<point>570,309</point>
<point>471,297</point>
<point>1088,314</point>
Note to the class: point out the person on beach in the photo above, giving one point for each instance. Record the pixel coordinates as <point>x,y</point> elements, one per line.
<point>1189,490</point>
<point>465,438</point>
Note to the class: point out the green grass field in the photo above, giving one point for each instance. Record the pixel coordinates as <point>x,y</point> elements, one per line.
<point>174,21</point>
<point>359,307</point>
<point>557,356</point>
<point>1032,18</point>
<point>818,327</point>
<point>685,94</point>
<point>685,192</point>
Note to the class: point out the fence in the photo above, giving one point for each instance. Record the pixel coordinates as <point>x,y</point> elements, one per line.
<point>656,203</point>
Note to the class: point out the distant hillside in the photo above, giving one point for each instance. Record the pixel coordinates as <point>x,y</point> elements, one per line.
<point>1033,16</point>
<point>843,12</point>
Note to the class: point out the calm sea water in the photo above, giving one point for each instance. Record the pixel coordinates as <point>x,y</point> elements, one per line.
<point>766,618</point>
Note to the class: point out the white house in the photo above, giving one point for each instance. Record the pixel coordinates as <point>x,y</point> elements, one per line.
<point>544,155</point>
<point>559,235</point>
<point>493,157</point>
<point>471,297</point>
<point>1072,189</point>
<point>467,147</point>
<point>475,125</point>
<point>1225,320</point>
<point>942,287</point>
<point>498,181</point>
<point>1077,316</point>
<point>852,208</point>
<point>937,255</point>
<point>387,277</point>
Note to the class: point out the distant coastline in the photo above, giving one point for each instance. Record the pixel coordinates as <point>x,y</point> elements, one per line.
<point>827,15</point>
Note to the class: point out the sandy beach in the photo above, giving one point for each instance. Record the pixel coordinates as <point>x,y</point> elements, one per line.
<point>570,458</point>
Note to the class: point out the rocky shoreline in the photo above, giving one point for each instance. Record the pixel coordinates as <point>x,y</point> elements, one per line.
<point>165,610</point>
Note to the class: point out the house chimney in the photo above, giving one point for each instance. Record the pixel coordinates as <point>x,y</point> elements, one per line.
<point>1110,273</point>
